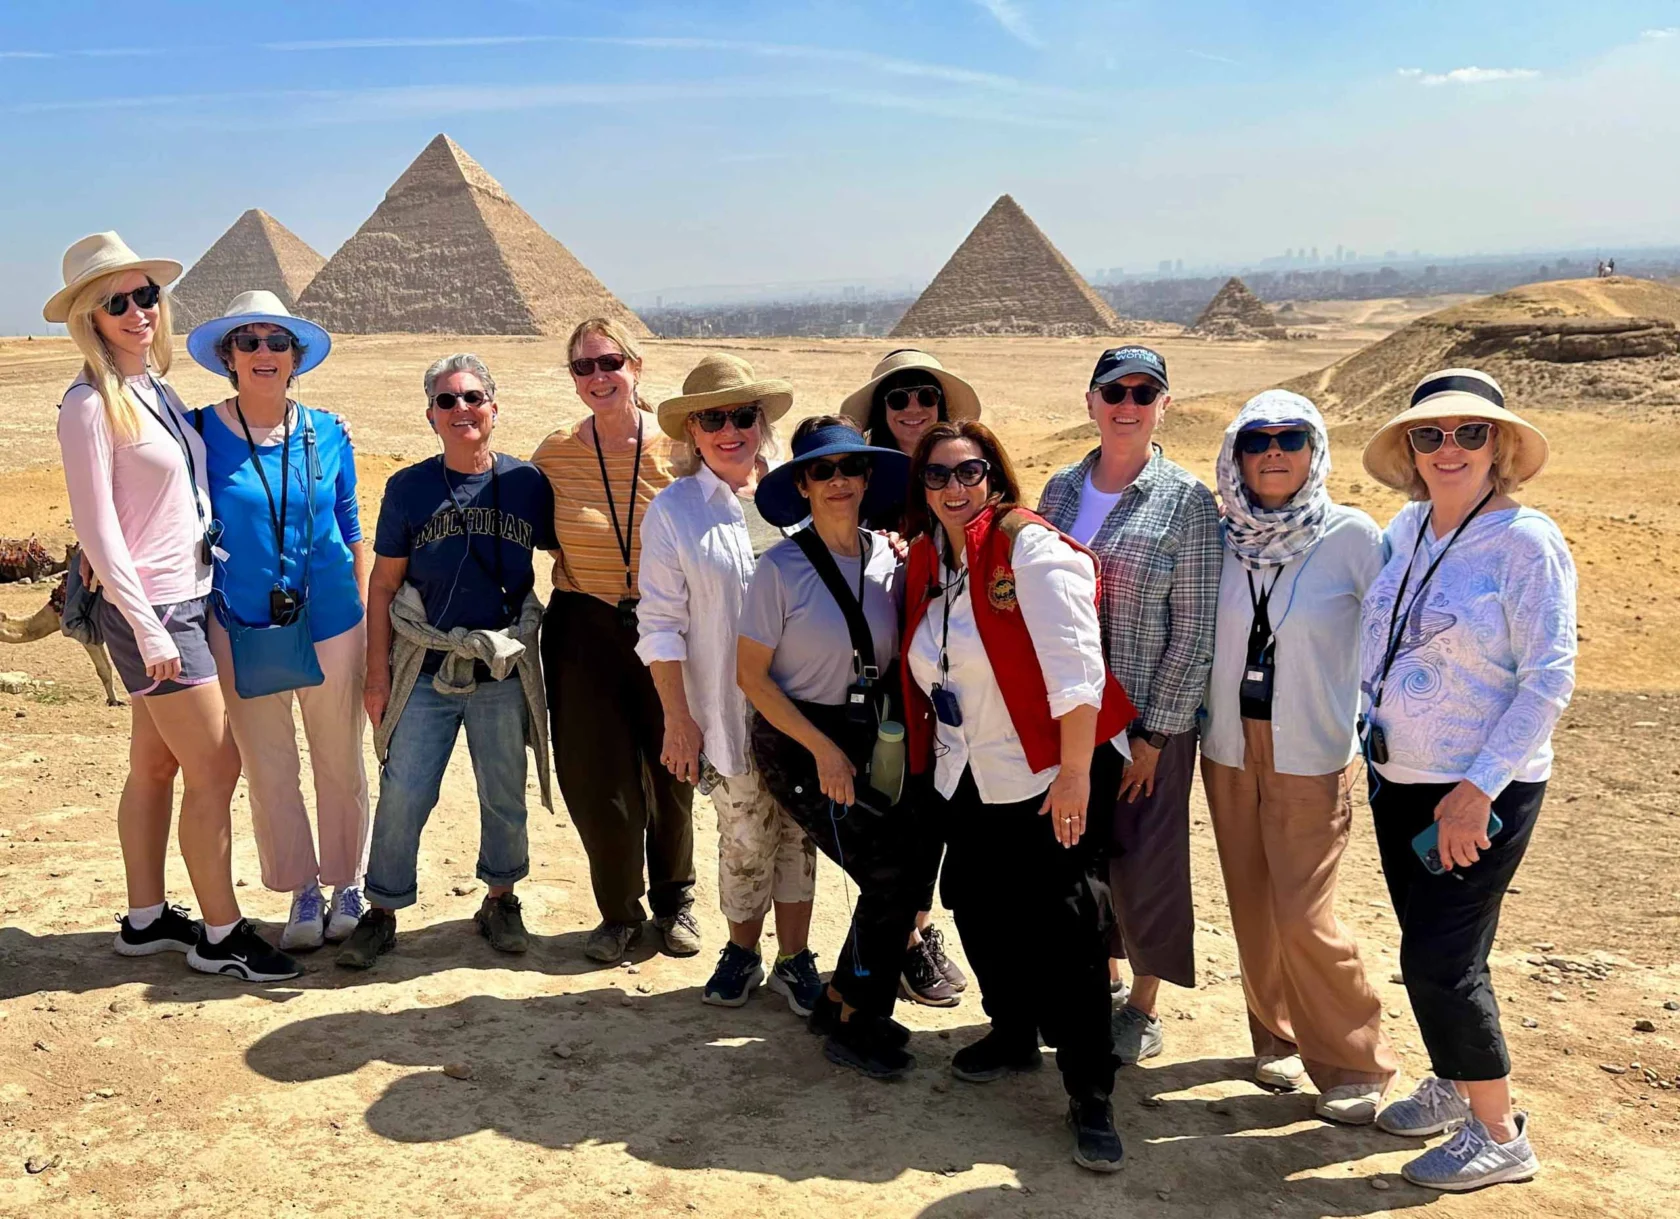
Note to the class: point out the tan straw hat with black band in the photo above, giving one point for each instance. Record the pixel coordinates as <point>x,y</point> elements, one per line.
<point>1464,393</point>
<point>721,380</point>
<point>961,402</point>
<point>99,255</point>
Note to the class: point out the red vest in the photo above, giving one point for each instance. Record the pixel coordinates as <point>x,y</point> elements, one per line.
<point>989,540</point>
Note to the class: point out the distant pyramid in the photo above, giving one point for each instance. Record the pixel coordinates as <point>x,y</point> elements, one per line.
<point>1007,278</point>
<point>258,252</point>
<point>1236,313</point>
<point>449,252</point>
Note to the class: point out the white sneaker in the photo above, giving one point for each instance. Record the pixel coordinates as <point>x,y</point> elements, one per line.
<point>1281,1071</point>
<point>1434,1107</point>
<point>345,912</point>
<point>1350,1104</point>
<point>305,924</point>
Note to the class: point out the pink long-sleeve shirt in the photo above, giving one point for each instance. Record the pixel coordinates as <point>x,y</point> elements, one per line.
<point>131,503</point>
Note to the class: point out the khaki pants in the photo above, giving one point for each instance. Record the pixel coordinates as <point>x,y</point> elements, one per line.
<point>763,854</point>
<point>1281,839</point>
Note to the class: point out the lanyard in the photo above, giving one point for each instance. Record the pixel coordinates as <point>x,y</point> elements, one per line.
<point>276,518</point>
<point>948,592</point>
<point>178,434</point>
<point>1261,601</point>
<point>627,537</point>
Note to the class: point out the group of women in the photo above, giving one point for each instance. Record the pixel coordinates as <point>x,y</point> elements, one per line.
<point>871,648</point>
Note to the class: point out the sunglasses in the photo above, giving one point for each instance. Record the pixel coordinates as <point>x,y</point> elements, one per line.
<point>274,342</point>
<point>852,465</point>
<point>923,395</point>
<point>1252,444</point>
<point>745,418</point>
<point>936,477</point>
<point>1143,395</point>
<point>144,298</point>
<point>1467,436</point>
<point>473,397</point>
<point>586,366</point>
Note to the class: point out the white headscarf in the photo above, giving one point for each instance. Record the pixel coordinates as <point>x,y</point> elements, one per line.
<point>1266,537</point>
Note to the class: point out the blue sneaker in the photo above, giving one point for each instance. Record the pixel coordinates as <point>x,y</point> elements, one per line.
<point>1471,1160</point>
<point>1433,1108</point>
<point>797,979</point>
<point>738,972</point>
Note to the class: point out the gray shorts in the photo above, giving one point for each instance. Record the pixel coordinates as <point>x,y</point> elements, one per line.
<point>188,625</point>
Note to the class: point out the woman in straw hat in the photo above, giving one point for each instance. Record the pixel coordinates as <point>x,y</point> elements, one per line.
<point>135,470</point>
<point>608,725</point>
<point>283,493</point>
<point>1467,658</point>
<point>907,393</point>
<point>701,539</point>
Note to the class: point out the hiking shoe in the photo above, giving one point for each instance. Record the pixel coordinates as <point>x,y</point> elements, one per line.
<point>825,1018</point>
<point>920,980</point>
<point>948,969</point>
<point>1471,1159</point>
<point>681,932</point>
<point>171,931</point>
<point>1350,1104</point>
<point>375,932</point>
<point>1280,1072</point>
<point>344,912</point>
<point>610,941</point>
<point>500,922</point>
<point>242,954</point>
<point>866,1045</point>
<point>1136,1036</point>
<point>738,972</point>
<point>1096,1143</point>
<point>306,924</point>
<point>796,979</point>
<point>1435,1106</point>
<point>994,1056</point>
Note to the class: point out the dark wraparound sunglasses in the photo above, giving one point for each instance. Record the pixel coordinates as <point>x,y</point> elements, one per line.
<point>969,473</point>
<point>922,395</point>
<point>1252,444</point>
<point>1143,395</point>
<point>1467,436</point>
<point>586,365</point>
<point>144,297</point>
<point>276,343</point>
<point>744,418</point>
<point>852,465</point>
<point>473,397</point>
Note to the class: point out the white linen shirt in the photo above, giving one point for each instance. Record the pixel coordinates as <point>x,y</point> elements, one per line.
<point>1055,588</point>
<point>697,561</point>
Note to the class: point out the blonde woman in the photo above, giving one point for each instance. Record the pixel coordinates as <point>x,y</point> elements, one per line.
<point>135,470</point>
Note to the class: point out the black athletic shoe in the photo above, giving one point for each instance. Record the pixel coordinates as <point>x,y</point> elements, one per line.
<point>242,954</point>
<point>500,922</point>
<point>948,969</point>
<point>920,980</point>
<point>825,1018</point>
<point>865,1045</point>
<point>171,931</point>
<point>1096,1144</point>
<point>375,932</point>
<point>994,1056</point>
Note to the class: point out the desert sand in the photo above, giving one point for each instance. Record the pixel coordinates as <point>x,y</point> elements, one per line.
<point>140,1089</point>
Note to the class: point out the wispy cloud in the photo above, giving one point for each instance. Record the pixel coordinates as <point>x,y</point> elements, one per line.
<point>399,44</point>
<point>1672,31</point>
<point>1008,14</point>
<point>1467,76</point>
<point>26,55</point>
<point>1209,55</point>
<point>87,53</point>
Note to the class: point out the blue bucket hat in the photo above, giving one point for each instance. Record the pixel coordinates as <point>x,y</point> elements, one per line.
<point>778,498</point>
<point>247,309</point>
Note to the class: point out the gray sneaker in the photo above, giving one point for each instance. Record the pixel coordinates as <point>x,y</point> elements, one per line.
<point>1471,1159</point>
<point>1436,1106</point>
<point>1136,1036</point>
<point>681,932</point>
<point>610,941</point>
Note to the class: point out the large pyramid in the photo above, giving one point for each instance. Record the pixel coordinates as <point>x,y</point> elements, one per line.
<point>1236,313</point>
<point>449,252</point>
<point>256,252</point>
<point>1007,278</point>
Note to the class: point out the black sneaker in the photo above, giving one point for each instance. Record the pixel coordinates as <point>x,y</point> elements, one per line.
<point>242,954</point>
<point>737,974</point>
<point>171,931</point>
<point>500,922</point>
<point>920,979</point>
<point>994,1056</point>
<point>797,980</point>
<point>825,1018</point>
<point>375,932</point>
<point>865,1044</point>
<point>1096,1144</point>
<point>948,969</point>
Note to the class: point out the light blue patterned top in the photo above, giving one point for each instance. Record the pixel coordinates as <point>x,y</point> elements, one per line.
<point>1487,659</point>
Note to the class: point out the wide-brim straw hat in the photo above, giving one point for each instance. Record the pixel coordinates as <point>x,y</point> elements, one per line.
<point>961,402</point>
<point>249,308</point>
<point>99,255</point>
<point>1453,392</point>
<point>720,380</point>
<point>778,499</point>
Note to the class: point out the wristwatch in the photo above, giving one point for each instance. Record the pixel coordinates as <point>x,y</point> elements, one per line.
<point>1155,740</point>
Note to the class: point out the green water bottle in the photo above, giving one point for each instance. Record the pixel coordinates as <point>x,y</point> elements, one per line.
<point>886,762</point>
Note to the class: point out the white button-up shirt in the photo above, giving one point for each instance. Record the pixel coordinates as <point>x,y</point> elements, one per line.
<point>697,561</point>
<point>1055,588</point>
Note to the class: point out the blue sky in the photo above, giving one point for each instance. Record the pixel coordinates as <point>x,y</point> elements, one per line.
<point>680,144</point>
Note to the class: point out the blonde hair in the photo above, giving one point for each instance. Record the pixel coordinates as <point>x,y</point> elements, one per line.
<point>1503,475</point>
<point>99,369</point>
<point>615,334</point>
<point>685,457</point>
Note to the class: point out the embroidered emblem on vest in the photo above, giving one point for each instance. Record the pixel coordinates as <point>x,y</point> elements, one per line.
<point>1001,591</point>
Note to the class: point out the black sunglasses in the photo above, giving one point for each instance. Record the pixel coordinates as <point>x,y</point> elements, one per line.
<point>473,397</point>
<point>586,365</point>
<point>1467,436</point>
<point>923,395</point>
<point>743,417</point>
<point>1252,444</point>
<point>144,298</point>
<point>1115,394</point>
<point>852,465</point>
<point>274,342</point>
<point>969,473</point>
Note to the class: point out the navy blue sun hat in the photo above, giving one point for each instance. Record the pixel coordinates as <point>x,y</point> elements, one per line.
<point>250,307</point>
<point>778,498</point>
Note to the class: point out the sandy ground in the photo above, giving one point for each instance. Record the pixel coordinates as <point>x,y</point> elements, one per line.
<point>147,1090</point>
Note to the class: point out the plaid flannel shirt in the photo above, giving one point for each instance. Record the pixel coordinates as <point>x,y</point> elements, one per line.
<point>1161,560</point>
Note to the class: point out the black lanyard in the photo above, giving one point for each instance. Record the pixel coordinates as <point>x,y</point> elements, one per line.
<point>627,537</point>
<point>1397,619</point>
<point>1262,603</point>
<point>947,592</point>
<point>178,434</point>
<point>276,518</point>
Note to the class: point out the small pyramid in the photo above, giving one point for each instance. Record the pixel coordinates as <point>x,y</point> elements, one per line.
<point>257,252</point>
<point>448,252</point>
<point>1236,313</point>
<point>1006,278</point>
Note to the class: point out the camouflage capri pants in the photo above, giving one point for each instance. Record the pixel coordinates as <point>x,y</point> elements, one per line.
<point>763,855</point>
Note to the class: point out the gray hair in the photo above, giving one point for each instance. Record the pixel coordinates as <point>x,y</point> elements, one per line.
<point>686,459</point>
<point>463,361</point>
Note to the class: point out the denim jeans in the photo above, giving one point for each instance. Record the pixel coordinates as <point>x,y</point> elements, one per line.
<point>424,739</point>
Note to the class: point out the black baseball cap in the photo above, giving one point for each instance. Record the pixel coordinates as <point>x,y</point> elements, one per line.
<point>1119,362</point>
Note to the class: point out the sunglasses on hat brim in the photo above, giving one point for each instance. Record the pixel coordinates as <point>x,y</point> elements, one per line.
<point>144,297</point>
<point>1251,444</point>
<point>1467,436</point>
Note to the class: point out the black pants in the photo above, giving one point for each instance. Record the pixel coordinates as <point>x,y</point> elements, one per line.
<point>608,729</point>
<point>1447,923</point>
<point>1029,912</point>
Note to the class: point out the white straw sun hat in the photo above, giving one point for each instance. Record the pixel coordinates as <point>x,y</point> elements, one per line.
<point>721,379</point>
<point>103,254</point>
<point>961,402</point>
<point>1453,393</point>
